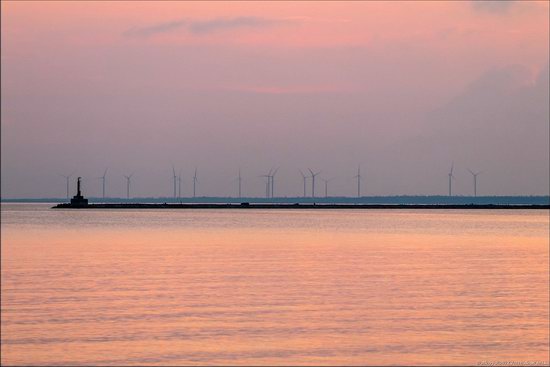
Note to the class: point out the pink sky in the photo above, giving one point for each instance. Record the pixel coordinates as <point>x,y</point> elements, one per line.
<point>404,88</point>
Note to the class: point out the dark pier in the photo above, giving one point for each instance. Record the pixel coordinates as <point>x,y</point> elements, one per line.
<point>297,206</point>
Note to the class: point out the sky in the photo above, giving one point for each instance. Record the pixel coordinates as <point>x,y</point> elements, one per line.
<point>404,89</point>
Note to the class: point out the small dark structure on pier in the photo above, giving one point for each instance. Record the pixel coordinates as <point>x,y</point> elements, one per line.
<point>78,200</point>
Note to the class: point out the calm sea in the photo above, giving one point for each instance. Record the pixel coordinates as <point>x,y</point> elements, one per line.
<point>176,287</point>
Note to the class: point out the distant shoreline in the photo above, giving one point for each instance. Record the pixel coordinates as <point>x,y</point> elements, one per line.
<point>298,206</point>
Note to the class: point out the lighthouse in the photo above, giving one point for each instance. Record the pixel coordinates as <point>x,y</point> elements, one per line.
<point>79,200</point>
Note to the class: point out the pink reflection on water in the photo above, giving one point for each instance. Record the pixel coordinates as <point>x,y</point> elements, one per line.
<point>232,287</point>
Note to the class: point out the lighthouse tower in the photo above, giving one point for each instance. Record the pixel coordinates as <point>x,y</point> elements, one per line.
<point>79,200</point>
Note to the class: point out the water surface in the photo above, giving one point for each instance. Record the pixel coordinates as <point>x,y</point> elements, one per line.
<point>273,287</point>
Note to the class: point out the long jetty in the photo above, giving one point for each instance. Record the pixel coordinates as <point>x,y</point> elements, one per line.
<point>296,206</point>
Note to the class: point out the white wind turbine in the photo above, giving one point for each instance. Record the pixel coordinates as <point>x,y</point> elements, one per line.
<point>313,175</point>
<point>268,183</point>
<point>273,182</point>
<point>239,180</point>
<point>67,178</point>
<point>358,177</point>
<point>179,184</point>
<point>128,179</point>
<point>195,180</point>
<point>475,174</point>
<point>304,177</point>
<point>326,181</point>
<point>102,178</point>
<point>451,178</point>
<point>175,179</point>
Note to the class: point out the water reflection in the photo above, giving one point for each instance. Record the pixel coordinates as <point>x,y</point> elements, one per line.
<point>266,287</point>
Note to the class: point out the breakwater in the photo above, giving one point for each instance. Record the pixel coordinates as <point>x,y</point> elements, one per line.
<point>294,206</point>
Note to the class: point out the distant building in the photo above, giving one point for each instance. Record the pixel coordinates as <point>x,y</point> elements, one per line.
<point>78,199</point>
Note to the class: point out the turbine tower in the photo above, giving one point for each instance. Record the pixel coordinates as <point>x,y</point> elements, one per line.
<point>179,184</point>
<point>102,178</point>
<point>273,182</point>
<point>358,177</point>
<point>175,178</point>
<point>128,178</point>
<point>239,179</point>
<point>195,180</point>
<point>304,177</point>
<point>269,176</point>
<point>67,178</point>
<point>474,174</point>
<point>451,177</point>
<point>313,182</point>
<point>267,185</point>
<point>326,185</point>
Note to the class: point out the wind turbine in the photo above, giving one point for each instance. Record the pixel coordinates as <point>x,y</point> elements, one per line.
<point>179,184</point>
<point>268,182</point>
<point>273,182</point>
<point>175,178</point>
<point>195,180</point>
<point>267,185</point>
<point>474,174</point>
<point>313,182</point>
<point>358,177</point>
<point>451,177</point>
<point>128,178</point>
<point>103,183</point>
<point>239,179</point>
<point>305,178</point>
<point>67,177</point>
<point>326,185</point>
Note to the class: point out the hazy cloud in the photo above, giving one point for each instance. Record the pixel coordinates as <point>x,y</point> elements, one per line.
<point>493,6</point>
<point>221,24</point>
<point>209,26</point>
<point>158,28</point>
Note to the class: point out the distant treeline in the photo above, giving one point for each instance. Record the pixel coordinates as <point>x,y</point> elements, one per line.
<point>503,200</point>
